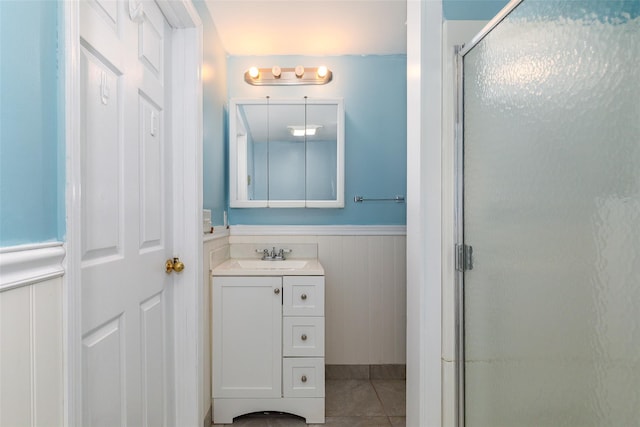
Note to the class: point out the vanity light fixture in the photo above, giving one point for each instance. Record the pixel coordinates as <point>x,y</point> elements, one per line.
<point>309,130</point>
<point>298,75</point>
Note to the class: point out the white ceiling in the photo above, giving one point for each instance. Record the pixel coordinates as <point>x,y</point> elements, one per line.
<point>311,27</point>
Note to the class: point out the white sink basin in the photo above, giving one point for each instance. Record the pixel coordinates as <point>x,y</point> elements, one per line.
<point>257,264</point>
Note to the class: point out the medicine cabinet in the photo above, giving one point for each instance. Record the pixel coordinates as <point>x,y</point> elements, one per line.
<point>286,153</point>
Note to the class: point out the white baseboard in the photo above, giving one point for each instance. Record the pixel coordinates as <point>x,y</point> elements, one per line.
<point>29,264</point>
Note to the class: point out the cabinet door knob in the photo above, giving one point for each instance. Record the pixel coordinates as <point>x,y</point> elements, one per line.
<point>303,379</point>
<point>303,337</point>
<point>303,297</point>
<point>276,291</point>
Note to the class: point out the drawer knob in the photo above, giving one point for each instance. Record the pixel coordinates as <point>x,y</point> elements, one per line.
<point>303,297</point>
<point>303,337</point>
<point>276,291</point>
<point>303,379</point>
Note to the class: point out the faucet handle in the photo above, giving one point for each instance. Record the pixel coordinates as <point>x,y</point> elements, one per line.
<point>283,251</point>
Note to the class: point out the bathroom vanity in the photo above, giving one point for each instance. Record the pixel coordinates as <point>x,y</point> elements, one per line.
<point>268,338</point>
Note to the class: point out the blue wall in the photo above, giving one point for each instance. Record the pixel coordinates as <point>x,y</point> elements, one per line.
<point>374,89</point>
<point>472,9</point>
<point>32,131</point>
<point>214,155</point>
<point>31,141</point>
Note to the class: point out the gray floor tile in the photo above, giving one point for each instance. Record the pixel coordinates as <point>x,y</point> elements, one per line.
<point>392,396</point>
<point>388,372</point>
<point>354,422</point>
<point>347,372</point>
<point>398,421</point>
<point>351,398</point>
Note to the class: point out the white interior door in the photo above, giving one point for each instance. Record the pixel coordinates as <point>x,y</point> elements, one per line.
<point>125,204</point>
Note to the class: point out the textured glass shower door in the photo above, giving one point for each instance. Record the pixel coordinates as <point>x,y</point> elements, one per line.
<point>551,179</point>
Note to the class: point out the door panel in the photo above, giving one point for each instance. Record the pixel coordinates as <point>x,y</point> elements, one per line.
<point>152,326</point>
<point>101,157</point>
<point>126,210</point>
<point>103,373</point>
<point>108,10</point>
<point>150,45</point>
<point>551,197</point>
<point>151,174</point>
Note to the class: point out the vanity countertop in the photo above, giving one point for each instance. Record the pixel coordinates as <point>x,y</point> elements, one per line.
<point>257,267</point>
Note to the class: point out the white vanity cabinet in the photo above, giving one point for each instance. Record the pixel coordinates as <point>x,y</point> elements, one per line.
<point>268,346</point>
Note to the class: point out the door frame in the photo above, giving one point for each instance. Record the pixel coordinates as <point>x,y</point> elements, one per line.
<point>457,276</point>
<point>187,359</point>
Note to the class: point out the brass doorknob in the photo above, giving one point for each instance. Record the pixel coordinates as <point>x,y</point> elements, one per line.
<point>173,265</point>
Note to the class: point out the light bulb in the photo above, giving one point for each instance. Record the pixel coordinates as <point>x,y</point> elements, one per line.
<point>254,72</point>
<point>299,71</point>
<point>276,71</point>
<point>322,71</point>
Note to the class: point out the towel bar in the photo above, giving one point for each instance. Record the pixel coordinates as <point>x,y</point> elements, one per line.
<point>360,199</point>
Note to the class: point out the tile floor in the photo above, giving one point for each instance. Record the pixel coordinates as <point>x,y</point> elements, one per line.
<point>349,403</point>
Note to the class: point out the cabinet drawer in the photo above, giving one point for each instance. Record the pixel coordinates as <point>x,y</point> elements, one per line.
<point>303,296</point>
<point>303,377</point>
<point>303,336</point>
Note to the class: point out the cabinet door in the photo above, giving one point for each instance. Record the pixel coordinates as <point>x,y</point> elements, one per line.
<point>247,333</point>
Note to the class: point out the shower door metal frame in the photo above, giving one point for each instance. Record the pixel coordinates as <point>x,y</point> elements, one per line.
<point>461,51</point>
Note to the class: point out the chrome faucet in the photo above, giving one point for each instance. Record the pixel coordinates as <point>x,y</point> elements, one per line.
<point>273,255</point>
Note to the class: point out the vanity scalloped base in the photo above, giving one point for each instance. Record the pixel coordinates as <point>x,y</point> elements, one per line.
<point>311,409</point>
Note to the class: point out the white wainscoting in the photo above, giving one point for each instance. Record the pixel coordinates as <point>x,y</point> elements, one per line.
<point>215,251</point>
<point>31,336</point>
<point>365,299</point>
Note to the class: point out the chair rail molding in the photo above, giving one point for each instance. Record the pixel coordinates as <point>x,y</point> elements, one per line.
<point>318,230</point>
<point>28,264</point>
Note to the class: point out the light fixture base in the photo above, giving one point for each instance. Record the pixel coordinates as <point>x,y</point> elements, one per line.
<point>288,77</point>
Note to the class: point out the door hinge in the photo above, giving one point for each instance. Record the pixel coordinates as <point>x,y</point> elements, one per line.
<point>464,257</point>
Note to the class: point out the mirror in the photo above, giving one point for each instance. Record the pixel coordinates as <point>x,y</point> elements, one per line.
<point>286,153</point>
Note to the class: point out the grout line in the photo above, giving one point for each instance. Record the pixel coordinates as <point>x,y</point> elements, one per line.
<point>379,399</point>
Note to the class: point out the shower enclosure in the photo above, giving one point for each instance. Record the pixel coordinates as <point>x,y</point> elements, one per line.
<point>549,217</point>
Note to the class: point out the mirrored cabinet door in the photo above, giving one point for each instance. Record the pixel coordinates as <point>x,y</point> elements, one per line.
<point>286,153</point>
<point>322,150</point>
